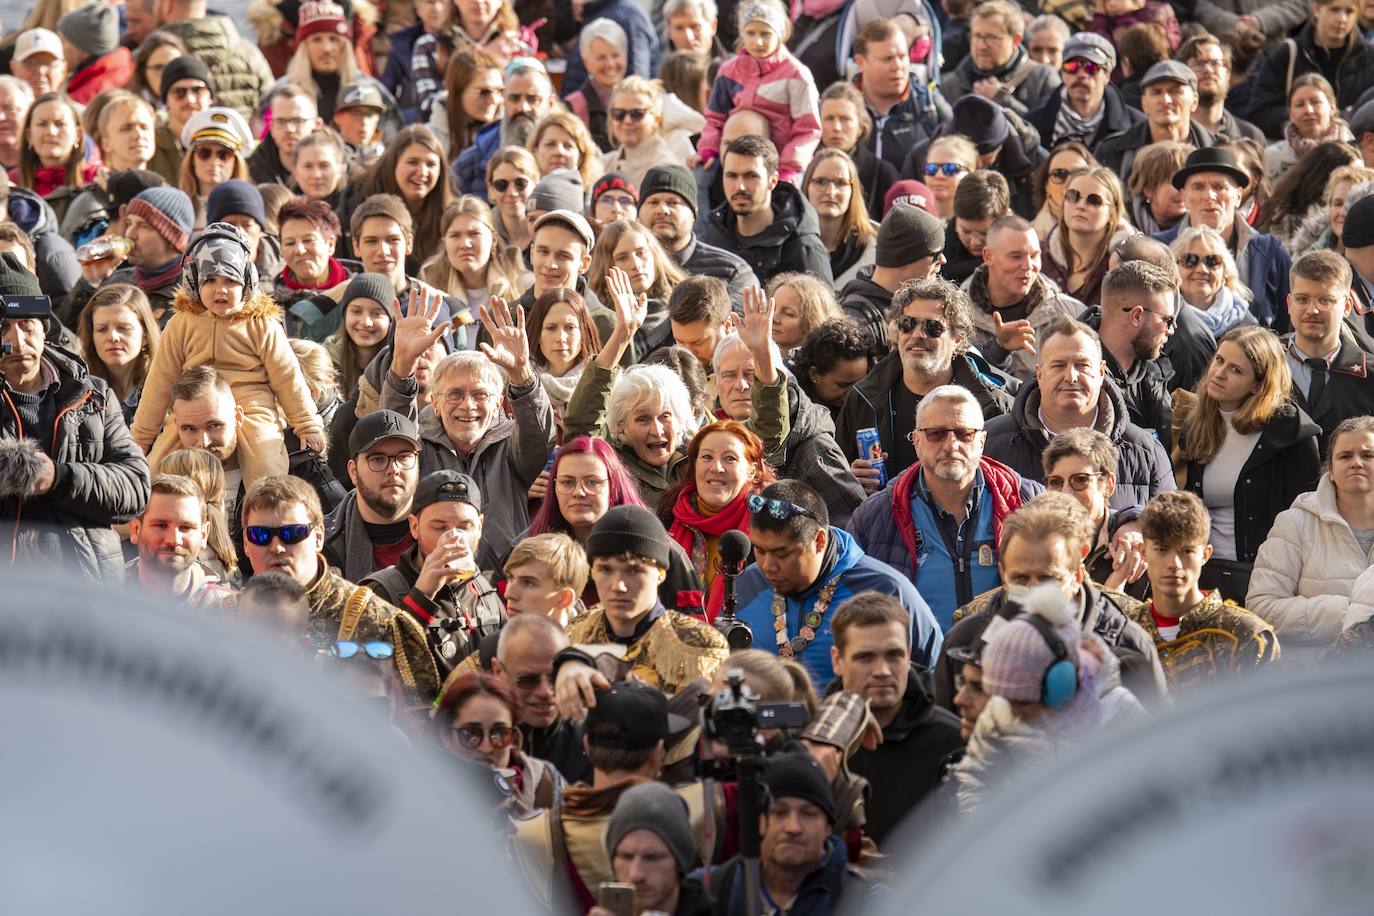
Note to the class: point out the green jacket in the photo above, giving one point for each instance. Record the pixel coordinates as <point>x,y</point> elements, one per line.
<point>240,72</point>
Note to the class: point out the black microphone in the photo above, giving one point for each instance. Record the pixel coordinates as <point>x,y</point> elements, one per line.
<point>734,548</point>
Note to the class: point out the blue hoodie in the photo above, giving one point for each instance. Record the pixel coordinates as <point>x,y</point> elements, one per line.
<point>858,573</point>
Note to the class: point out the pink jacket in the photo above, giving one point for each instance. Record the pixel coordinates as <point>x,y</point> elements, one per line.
<point>780,89</point>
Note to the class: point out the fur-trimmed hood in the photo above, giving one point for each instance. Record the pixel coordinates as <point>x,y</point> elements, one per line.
<point>260,305</point>
<point>267,21</point>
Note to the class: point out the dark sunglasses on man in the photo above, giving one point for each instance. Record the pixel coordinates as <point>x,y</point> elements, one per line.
<point>930,327</point>
<point>262,535</point>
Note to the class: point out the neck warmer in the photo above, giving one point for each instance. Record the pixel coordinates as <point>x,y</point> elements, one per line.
<point>1226,311</point>
<point>161,278</point>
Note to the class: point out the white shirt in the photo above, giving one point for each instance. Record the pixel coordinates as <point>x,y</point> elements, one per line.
<point>1219,486</point>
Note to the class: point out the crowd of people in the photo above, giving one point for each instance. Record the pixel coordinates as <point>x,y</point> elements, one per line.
<point>970,376</point>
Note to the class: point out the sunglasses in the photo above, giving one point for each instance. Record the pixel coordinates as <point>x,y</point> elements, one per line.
<point>347,648</point>
<point>182,92</point>
<point>531,681</point>
<point>949,168</point>
<point>1073,196</point>
<point>470,736</point>
<point>778,508</point>
<point>502,184</point>
<point>1059,176</point>
<point>206,153</point>
<point>938,434</point>
<point>1079,482</point>
<point>930,327</point>
<point>1212,261</point>
<point>634,114</point>
<point>1078,64</point>
<point>262,535</point>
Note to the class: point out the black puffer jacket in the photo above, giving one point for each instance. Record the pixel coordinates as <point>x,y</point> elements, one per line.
<point>811,454</point>
<point>101,479</point>
<point>1350,70</point>
<point>791,243</point>
<point>1018,440</point>
<point>867,303</point>
<point>57,268</point>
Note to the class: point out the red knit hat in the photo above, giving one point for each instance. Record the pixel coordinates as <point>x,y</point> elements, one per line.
<point>323,16</point>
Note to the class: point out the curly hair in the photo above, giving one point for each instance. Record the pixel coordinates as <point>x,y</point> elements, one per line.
<point>954,306</point>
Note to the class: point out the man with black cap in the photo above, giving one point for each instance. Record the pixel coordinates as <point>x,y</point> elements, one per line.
<point>69,469</point>
<point>186,89</point>
<point>651,845</point>
<point>370,530</point>
<point>668,207</point>
<point>910,246</point>
<point>1211,182</point>
<point>768,221</point>
<point>239,203</point>
<point>1087,108</point>
<point>803,866</point>
<point>447,604</point>
<point>1169,100</point>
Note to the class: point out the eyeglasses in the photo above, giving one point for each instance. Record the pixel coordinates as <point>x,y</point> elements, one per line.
<point>778,508</point>
<point>930,327</point>
<point>1077,64</point>
<point>949,168</point>
<point>1302,301</point>
<point>531,681</point>
<point>501,184</point>
<point>262,535</point>
<point>826,184</point>
<point>634,114</point>
<point>347,648</point>
<point>568,485</point>
<point>935,435</point>
<point>458,395</point>
<point>379,462</point>
<point>1170,321</point>
<point>1059,176</point>
<point>470,736</point>
<point>1208,63</point>
<point>1212,261</point>
<point>1073,196</point>
<point>292,123</point>
<point>623,201</point>
<point>1078,482</point>
<point>206,153</point>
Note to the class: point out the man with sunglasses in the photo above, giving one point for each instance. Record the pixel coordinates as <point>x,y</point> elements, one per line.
<point>1138,315</point>
<point>1169,99</point>
<point>186,89</point>
<point>910,246</point>
<point>803,570</point>
<point>369,530</point>
<point>449,606</point>
<point>938,522</point>
<point>1087,107</point>
<point>525,651</point>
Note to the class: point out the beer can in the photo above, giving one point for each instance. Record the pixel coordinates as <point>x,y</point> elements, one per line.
<point>871,448</point>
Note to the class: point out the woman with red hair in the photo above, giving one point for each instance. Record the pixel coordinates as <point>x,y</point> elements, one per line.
<point>724,467</point>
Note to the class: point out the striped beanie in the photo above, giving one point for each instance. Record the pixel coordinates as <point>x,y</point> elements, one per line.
<point>169,211</point>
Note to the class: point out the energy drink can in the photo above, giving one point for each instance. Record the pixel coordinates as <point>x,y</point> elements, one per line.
<point>871,448</point>
<point>553,456</point>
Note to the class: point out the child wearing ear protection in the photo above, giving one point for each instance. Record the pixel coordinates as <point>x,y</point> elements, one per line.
<point>224,319</point>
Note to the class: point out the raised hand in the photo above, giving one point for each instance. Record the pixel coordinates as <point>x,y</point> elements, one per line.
<point>755,330</point>
<point>510,346</point>
<point>1013,335</point>
<point>630,309</point>
<point>415,330</point>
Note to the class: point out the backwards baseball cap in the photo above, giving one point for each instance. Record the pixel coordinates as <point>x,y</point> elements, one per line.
<point>361,94</point>
<point>444,487</point>
<point>631,717</point>
<point>379,426</point>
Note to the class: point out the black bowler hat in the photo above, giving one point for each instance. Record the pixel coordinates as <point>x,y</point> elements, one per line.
<point>1211,159</point>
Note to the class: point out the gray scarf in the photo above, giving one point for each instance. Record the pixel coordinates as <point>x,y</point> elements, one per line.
<point>1069,125</point>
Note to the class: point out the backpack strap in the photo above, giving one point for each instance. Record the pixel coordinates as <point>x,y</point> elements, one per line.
<point>1022,73</point>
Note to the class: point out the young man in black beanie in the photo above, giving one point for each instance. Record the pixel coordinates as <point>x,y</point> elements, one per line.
<point>668,207</point>
<point>186,89</point>
<point>628,551</point>
<point>910,246</point>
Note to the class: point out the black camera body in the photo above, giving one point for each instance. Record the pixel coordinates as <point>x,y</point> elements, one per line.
<point>734,716</point>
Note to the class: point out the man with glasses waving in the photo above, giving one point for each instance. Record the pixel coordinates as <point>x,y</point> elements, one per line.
<point>1087,107</point>
<point>1139,313</point>
<point>940,520</point>
<point>369,530</point>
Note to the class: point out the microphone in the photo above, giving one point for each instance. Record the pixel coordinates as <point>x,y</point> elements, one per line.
<point>734,550</point>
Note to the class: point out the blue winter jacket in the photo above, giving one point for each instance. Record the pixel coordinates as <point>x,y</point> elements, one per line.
<point>471,165</point>
<point>1263,265</point>
<point>858,573</point>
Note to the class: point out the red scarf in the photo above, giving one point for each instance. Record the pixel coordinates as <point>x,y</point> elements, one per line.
<point>691,528</point>
<point>337,274</point>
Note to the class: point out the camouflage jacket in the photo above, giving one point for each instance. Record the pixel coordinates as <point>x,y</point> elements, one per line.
<point>1215,638</point>
<point>673,652</point>
<point>341,610</point>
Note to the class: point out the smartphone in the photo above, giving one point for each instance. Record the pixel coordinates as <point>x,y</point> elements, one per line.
<point>616,897</point>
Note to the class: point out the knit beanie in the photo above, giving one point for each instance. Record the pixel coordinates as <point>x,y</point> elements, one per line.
<point>766,11</point>
<point>1358,230</point>
<point>185,67</point>
<point>561,189</point>
<point>127,184</point>
<point>654,807</point>
<point>798,775</point>
<point>93,29</point>
<point>908,234</point>
<point>612,181</point>
<point>909,191</point>
<point>376,287</point>
<point>673,178</point>
<point>169,211</point>
<point>629,529</point>
<point>322,16</point>
<point>981,120</point>
<point>235,197</point>
<point>15,278</point>
<point>1016,656</point>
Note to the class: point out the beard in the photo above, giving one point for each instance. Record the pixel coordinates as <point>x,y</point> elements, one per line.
<point>1146,349</point>
<point>175,564</point>
<point>379,501</point>
<point>1207,99</point>
<point>515,131</point>
<point>950,468</point>
<point>926,362</point>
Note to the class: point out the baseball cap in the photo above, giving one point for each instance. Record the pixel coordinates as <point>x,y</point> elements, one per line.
<point>381,425</point>
<point>574,221</point>
<point>37,41</point>
<point>1091,46</point>
<point>446,487</point>
<point>631,717</point>
<point>361,94</point>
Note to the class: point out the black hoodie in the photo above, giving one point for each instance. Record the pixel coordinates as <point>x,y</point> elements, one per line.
<point>791,243</point>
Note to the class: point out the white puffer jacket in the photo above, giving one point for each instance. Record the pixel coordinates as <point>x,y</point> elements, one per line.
<point>1304,574</point>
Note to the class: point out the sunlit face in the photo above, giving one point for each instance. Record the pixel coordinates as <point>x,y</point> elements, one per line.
<point>468,242</point>
<point>468,403</point>
<point>1013,260</point>
<point>293,117</point>
<point>689,32</point>
<point>634,256</point>
<point>560,338</point>
<point>53,133</point>
<point>510,190</point>
<point>117,334</point>
<point>922,355</point>
<point>1045,47</point>
<point>43,72</point>
<point>558,256</point>
<point>1084,89</point>
<point>1231,378</point>
<point>185,98</point>
<point>306,250</point>
<point>1070,373</point>
<point>300,561</point>
<point>1352,462</point>
<point>387,492</point>
<point>417,172</point>
<point>615,204</point>
<point>1028,563</point>
<point>669,217</point>
<point>366,322</point>
<point>635,118</point>
<point>722,471</point>
<point>652,432</point>
<point>357,124</point>
<point>432,13</point>
<point>170,534</point>
<point>829,189</point>
<point>949,459</point>
<point>325,50</point>
<point>150,248</point>
<point>605,62</point>
<point>382,245</point>
<point>1092,211</point>
<point>760,39</point>
<point>747,183</point>
<point>1174,569</point>
<point>128,139</point>
<point>530,589</point>
<point>528,98</point>
<point>556,150</point>
<point>833,387</point>
<point>627,589</point>
<point>482,712</point>
<point>875,664</point>
<point>1168,104</point>
<point>1310,110</point>
<point>476,14</point>
<point>645,861</point>
<point>1201,282</point>
<point>1334,21</point>
<point>12,112</point>
<point>319,171</point>
<point>990,43</point>
<point>788,330</point>
<point>1213,73</point>
<point>1070,471</point>
<point>941,185</point>
<point>221,295</point>
<point>1317,310</point>
<point>701,337</point>
<point>212,164</point>
<point>735,382</point>
<point>482,96</point>
<point>582,489</point>
<point>886,67</point>
<point>525,656</point>
<point>1211,199</point>
<point>840,124</point>
<point>1336,208</point>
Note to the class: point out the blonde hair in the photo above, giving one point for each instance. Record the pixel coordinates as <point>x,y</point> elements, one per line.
<point>299,71</point>
<point>960,147</point>
<point>588,154</point>
<point>1204,429</point>
<point>666,272</point>
<point>207,471</point>
<point>318,369</point>
<point>641,85</point>
<point>503,267</point>
<point>818,303</point>
<point>565,558</point>
<point>1354,174</point>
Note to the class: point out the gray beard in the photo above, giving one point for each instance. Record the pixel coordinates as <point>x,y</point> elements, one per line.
<point>517,132</point>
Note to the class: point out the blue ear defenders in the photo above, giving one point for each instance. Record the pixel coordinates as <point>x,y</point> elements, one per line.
<point>1060,682</point>
<point>190,275</point>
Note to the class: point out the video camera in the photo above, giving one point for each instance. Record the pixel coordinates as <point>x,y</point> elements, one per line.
<point>734,716</point>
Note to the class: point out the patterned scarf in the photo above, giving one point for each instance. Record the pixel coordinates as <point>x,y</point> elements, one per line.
<point>691,528</point>
<point>424,71</point>
<point>1069,125</point>
<point>1303,145</point>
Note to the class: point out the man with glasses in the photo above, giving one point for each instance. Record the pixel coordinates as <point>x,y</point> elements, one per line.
<point>1072,390</point>
<point>1087,107</point>
<point>1210,60</point>
<point>997,66</point>
<point>186,89</point>
<point>803,570</point>
<point>931,325</point>
<point>938,522</point>
<point>528,96</point>
<point>1138,316</point>
<point>525,651</point>
<point>449,606</point>
<point>910,246</point>
<point>294,115</point>
<point>369,530</point>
